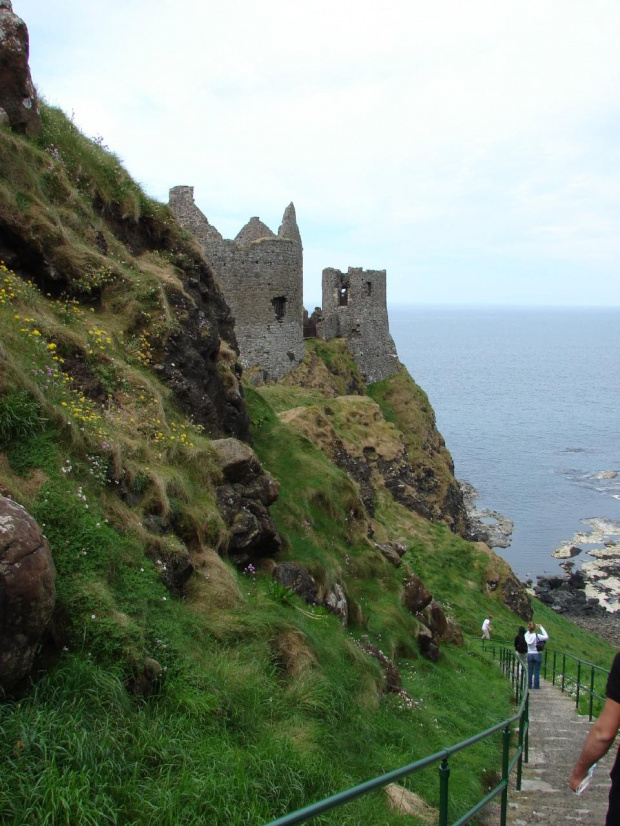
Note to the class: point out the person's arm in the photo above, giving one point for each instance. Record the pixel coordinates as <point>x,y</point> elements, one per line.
<point>598,741</point>
<point>543,634</point>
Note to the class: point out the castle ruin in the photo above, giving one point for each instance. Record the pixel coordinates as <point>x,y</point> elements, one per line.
<point>355,308</point>
<point>261,276</point>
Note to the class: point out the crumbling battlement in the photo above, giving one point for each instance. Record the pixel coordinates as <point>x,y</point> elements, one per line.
<point>355,308</point>
<point>261,276</point>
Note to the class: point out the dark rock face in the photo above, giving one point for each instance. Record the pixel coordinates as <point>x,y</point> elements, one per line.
<point>18,98</point>
<point>188,363</point>
<point>436,620</point>
<point>293,576</point>
<point>566,595</point>
<point>243,500</point>
<point>517,599</point>
<point>392,551</point>
<point>27,591</point>
<point>146,678</point>
<point>358,470</point>
<point>428,645</point>
<point>416,595</point>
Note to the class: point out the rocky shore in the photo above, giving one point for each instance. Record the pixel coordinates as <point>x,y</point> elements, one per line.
<point>485,525</point>
<point>572,596</point>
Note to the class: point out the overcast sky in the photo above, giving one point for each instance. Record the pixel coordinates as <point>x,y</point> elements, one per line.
<point>469,147</point>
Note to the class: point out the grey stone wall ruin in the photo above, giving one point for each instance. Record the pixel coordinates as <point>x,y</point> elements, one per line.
<point>355,308</point>
<point>261,276</point>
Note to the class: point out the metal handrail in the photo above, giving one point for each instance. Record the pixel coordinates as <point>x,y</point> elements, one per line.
<point>514,670</point>
<point>566,682</point>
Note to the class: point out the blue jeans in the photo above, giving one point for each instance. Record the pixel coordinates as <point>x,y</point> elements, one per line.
<point>534,661</point>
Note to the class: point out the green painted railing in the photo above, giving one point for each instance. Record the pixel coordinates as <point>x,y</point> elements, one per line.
<point>515,672</point>
<point>584,680</point>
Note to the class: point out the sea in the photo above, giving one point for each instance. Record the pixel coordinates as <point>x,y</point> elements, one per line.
<point>528,402</point>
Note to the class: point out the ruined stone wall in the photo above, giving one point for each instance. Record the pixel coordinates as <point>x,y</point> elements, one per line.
<point>181,202</point>
<point>355,308</point>
<point>261,276</point>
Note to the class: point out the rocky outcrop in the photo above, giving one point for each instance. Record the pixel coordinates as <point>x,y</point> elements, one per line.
<point>199,360</point>
<point>27,591</point>
<point>18,97</point>
<point>516,598</point>
<point>496,534</point>
<point>416,595</point>
<point>243,499</point>
<point>567,595</point>
<point>295,577</point>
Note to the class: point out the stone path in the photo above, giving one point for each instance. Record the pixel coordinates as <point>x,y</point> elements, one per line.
<point>557,733</point>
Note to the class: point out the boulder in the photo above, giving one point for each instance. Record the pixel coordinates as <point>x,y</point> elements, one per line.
<point>428,646</point>
<point>336,602</point>
<point>416,594</point>
<point>27,591</point>
<point>453,634</point>
<point>146,678</point>
<point>293,576</point>
<point>516,597</point>
<point>243,499</point>
<point>18,97</point>
<point>435,620</point>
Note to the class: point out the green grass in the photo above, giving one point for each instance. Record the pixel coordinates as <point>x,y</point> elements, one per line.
<point>264,703</point>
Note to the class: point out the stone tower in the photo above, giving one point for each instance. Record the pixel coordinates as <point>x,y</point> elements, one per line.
<point>355,308</point>
<point>261,276</point>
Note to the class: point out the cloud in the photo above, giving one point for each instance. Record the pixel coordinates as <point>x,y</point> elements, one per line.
<point>433,137</point>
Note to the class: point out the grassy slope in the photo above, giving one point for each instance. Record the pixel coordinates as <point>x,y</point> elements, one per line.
<point>265,704</point>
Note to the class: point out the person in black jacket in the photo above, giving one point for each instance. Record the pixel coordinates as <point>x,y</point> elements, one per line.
<point>521,646</point>
<point>598,743</point>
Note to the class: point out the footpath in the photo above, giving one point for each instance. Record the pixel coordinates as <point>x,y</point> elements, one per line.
<point>557,734</point>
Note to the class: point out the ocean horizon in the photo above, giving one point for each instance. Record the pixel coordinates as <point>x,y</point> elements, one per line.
<point>527,401</point>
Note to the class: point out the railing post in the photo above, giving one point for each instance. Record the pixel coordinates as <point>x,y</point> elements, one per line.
<point>527,728</point>
<point>505,761</point>
<point>591,692</point>
<point>578,683</point>
<point>563,671</point>
<point>444,777</point>
<point>554,656</point>
<point>520,747</point>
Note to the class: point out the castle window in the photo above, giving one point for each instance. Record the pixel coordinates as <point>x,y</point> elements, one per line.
<point>279,304</point>
<point>368,288</point>
<point>343,296</point>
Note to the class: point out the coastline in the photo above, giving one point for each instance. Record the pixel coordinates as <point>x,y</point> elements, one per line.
<point>590,596</point>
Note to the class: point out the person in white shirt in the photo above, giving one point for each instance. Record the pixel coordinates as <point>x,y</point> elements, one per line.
<point>534,657</point>
<point>486,628</point>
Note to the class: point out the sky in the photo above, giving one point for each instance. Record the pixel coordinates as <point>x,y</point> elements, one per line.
<point>470,148</point>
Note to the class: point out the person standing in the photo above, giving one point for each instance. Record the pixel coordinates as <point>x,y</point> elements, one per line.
<point>534,656</point>
<point>597,743</point>
<point>486,628</point>
<point>521,646</point>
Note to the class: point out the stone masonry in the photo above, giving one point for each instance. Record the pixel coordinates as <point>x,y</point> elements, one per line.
<point>261,276</point>
<point>355,308</point>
